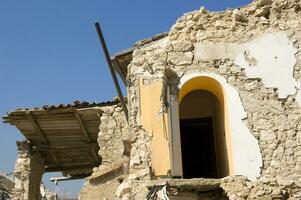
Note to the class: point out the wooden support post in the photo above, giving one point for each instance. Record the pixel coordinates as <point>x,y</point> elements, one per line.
<point>37,127</point>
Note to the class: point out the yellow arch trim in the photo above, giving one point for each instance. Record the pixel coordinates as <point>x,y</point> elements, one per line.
<point>213,86</point>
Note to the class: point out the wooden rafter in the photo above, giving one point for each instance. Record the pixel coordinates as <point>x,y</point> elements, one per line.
<point>83,127</point>
<point>47,148</point>
<point>55,158</point>
<point>37,127</point>
<point>74,167</point>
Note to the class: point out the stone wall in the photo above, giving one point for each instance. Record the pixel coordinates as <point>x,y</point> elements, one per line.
<point>256,49</point>
<point>113,132</point>
<point>115,148</point>
<point>215,43</point>
<point>28,173</point>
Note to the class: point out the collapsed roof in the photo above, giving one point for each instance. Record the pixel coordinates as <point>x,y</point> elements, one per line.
<point>66,135</point>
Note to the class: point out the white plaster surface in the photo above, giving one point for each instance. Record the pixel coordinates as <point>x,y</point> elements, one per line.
<point>275,60</point>
<point>247,159</point>
<point>270,57</point>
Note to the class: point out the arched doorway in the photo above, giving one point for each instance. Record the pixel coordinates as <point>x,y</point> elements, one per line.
<point>205,144</point>
<point>231,136</point>
<point>202,130</point>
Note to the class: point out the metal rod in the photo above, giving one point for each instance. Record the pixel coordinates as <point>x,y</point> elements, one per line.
<point>109,61</point>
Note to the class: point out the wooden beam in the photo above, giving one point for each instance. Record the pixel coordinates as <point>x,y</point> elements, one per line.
<point>82,125</point>
<point>46,148</point>
<point>37,127</point>
<point>74,167</point>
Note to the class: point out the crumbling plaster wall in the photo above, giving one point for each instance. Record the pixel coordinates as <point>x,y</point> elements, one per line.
<point>256,50</point>
<point>264,37</point>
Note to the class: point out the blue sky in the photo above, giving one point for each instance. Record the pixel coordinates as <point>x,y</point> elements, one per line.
<point>50,53</point>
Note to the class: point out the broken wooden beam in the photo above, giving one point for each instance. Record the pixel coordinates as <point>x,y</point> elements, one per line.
<point>37,127</point>
<point>69,168</point>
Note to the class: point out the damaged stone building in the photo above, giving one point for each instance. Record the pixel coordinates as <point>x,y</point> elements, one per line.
<point>7,185</point>
<point>214,113</point>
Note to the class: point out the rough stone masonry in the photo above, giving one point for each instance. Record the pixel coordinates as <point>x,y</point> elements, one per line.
<point>252,55</point>
<point>256,50</point>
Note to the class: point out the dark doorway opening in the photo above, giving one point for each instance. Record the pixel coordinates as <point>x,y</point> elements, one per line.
<point>198,151</point>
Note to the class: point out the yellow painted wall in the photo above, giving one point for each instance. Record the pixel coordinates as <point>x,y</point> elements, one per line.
<point>154,121</point>
<point>213,86</point>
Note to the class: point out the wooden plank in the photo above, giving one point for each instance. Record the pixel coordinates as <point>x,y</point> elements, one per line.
<point>50,116</point>
<point>53,111</point>
<point>92,110</point>
<point>58,122</point>
<point>70,143</point>
<point>67,168</point>
<point>59,132</point>
<point>61,137</point>
<point>26,126</point>
<point>56,111</point>
<point>66,147</point>
<point>37,127</point>
<point>83,127</point>
<point>58,141</point>
<point>42,111</point>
